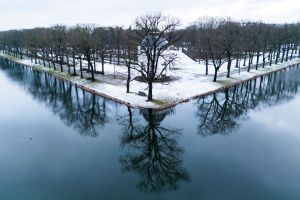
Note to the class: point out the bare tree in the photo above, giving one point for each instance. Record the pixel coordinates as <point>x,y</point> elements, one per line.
<point>230,32</point>
<point>155,34</point>
<point>213,48</point>
<point>129,55</point>
<point>88,47</point>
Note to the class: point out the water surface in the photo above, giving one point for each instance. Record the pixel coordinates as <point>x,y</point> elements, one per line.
<point>60,142</point>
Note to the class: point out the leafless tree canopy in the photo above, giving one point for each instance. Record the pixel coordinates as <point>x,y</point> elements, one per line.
<point>218,41</point>
<point>154,35</point>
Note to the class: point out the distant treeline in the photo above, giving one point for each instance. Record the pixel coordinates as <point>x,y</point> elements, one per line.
<point>212,41</point>
<point>66,46</point>
<point>218,41</point>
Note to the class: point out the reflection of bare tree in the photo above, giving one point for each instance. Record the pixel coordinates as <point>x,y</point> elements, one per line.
<point>153,152</point>
<point>217,114</point>
<point>221,113</point>
<point>92,113</point>
<point>81,110</point>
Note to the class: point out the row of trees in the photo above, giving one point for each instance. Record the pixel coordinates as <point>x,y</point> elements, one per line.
<point>66,46</point>
<point>79,48</point>
<point>219,41</point>
<point>144,47</point>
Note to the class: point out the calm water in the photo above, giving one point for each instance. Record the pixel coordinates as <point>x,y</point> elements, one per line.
<point>59,142</point>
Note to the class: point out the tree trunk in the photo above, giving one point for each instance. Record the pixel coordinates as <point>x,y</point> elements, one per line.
<point>277,55</point>
<point>102,64</point>
<point>48,59</point>
<point>44,63</point>
<point>80,60</point>
<point>91,67</point>
<point>118,54</point>
<point>293,51</point>
<point>237,61</point>
<point>69,67</point>
<point>95,69</point>
<point>61,63</point>
<point>35,59</point>
<point>92,70</point>
<point>270,54</point>
<point>52,60</point>
<point>228,68</point>
<point>206,64</point>
<point>74,65</point>
<point>249,63</point>
<point>283,53</point>
<point>257,60</point>
<point>21,53</point>
<point>215,75</point>
<point>150,85</point>
<point>128,78</point>
<point>264,59</point>
<point>245,59</point>
<point>287,53</point>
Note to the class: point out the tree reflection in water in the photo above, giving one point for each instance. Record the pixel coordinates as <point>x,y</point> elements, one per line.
<point>152,151</point>
<point>223,112</point>
<point>77,108</point>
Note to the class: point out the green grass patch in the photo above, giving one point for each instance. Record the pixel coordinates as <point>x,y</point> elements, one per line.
<point>60,74</point>
<point>12,58</point>
<point>95,83</point>
<point>160,102</point>
<point>224,82</point>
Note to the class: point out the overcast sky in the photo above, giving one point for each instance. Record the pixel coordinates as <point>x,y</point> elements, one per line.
<point>16,14</point>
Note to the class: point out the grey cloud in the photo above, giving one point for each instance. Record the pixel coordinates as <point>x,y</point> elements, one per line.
<point>32,13</point>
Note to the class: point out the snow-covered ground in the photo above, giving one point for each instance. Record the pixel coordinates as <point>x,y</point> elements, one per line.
<point>190,81</point>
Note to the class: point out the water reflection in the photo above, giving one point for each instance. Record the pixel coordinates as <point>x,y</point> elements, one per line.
<point>150,148</point>
<point>219,113</point>
<point>152,151</point>
<point>76,108</point>
<point>223,112</point>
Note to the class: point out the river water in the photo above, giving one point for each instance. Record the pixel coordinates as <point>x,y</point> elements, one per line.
<point>60,142</point>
